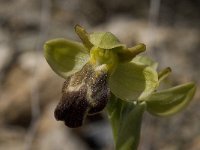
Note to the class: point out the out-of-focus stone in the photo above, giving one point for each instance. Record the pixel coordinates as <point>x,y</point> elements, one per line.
<point>98,134</point>
<point>5,49</point>
<point>31,76</point>
<point>11,138</point>
<point>195,144</point>
<point>5,55</point>
<point>53,135</point>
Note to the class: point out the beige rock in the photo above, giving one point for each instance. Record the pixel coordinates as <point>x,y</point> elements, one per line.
<point>28,82</point>
<point>53,135</point>
<point>11,138</point>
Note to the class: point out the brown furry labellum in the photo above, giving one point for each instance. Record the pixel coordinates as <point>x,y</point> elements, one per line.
<point>85,92</point>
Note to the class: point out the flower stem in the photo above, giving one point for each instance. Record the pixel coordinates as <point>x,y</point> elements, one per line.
<point>125,118</point>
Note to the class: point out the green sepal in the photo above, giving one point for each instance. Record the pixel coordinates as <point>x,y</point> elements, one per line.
<point>105,40</point>
<point>84,36</point>
<point>131,81</point>
<point>65,57</point>
<point>170,101</point>
<point>125,118</point>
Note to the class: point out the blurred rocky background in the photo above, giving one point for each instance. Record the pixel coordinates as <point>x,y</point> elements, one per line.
<point>30,90</point>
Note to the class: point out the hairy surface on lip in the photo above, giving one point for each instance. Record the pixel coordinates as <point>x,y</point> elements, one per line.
<point>85,92</point>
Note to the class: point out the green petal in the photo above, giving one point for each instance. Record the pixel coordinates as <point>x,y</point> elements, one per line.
<point>127,54</point>
<point>132,81</point>
<point>170,101</point>
<point>65,57</point>
<point>105,40</point>
<point>145,61</point>
<point>164,74</point>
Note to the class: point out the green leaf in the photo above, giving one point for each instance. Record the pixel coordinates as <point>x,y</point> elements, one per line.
<point>132,81</point>
<point>105,40</point>
<point>125,118</point>
<point>170,101</point>
<point>65,57</point>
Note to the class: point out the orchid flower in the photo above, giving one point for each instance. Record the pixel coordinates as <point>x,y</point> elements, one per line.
<point>102,72</point>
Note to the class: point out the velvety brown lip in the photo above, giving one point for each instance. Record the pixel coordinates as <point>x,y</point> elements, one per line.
<point>90,95</point>
<point>72,108</point>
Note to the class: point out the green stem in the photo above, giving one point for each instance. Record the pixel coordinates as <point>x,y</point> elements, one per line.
<point>125,118</point>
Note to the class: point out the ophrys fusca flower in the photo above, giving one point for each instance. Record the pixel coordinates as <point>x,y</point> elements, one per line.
<point>101,66</point>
